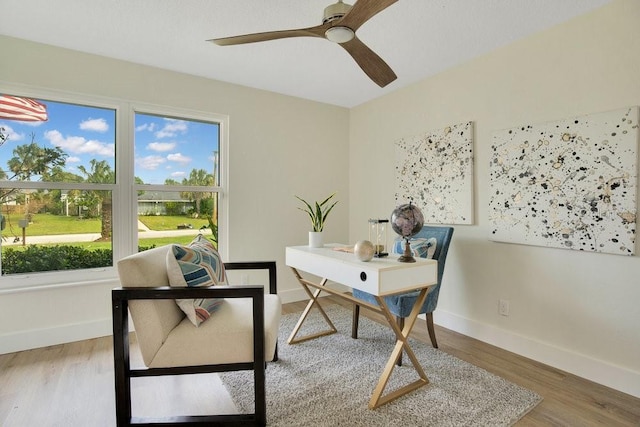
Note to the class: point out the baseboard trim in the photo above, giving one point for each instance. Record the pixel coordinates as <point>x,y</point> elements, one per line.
<point>595,370</point>
<point>36,338</point>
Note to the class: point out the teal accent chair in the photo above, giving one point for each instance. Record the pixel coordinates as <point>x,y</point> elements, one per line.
<point>400,305</point>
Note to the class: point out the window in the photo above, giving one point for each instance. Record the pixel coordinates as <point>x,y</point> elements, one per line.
<point>177,176</point>
<point>79,177</point>
<point>57,170</point>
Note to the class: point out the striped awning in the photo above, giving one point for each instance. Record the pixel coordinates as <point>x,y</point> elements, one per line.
<point>22,109</point>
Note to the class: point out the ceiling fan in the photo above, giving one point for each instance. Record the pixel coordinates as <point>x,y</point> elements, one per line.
<point>340,23</point>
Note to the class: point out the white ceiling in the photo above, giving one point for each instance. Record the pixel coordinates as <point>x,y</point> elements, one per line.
<point>417,38</point>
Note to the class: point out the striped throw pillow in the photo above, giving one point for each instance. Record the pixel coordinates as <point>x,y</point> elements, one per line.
<point>196,265</point>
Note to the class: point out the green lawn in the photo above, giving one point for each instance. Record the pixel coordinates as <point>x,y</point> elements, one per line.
<point>47,224</point>
<point>163,223</point>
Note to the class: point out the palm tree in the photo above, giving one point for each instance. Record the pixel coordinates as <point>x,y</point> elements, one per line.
<point>101,173</point>
<point>30,160</point>
<point>201,178</point>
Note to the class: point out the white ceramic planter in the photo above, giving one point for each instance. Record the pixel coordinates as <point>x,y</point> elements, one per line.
<point>315,239</point>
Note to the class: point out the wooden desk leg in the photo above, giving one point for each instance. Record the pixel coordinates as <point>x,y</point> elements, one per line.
<point>402,336</point>
<point>313,300</point>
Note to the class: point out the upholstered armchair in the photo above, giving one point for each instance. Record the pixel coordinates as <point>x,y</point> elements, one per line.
<point>238,333</point>
<point>431,242</point>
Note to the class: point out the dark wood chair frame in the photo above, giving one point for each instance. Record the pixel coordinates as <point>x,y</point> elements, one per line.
<point>124,372</point>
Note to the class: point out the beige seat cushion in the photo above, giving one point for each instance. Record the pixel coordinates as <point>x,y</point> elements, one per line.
<point>226,337</point>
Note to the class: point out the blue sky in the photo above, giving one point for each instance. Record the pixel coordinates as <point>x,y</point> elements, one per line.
<point>164,147</point>
<point>171,148</point>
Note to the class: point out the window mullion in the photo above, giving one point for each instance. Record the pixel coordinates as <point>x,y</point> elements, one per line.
<point>125,223</point>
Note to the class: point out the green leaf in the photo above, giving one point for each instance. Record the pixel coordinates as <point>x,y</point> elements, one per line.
<point>318,214</point>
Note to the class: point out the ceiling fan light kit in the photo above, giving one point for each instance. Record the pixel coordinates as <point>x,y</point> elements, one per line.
<point>340,23</point>
<point>339,34</point>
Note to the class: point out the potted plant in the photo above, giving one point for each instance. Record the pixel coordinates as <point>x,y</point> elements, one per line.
<point>318,215</point>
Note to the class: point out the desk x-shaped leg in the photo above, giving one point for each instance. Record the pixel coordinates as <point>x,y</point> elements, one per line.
<point>402,336</point>
<point>313,300</point>
<point>402,343</point>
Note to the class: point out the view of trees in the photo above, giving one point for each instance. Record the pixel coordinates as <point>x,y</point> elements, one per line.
<point>32,161</point>
<point>198,177</point>
<point>100,173</point>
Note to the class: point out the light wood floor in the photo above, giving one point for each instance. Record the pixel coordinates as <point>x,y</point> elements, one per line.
<point>72,385</point>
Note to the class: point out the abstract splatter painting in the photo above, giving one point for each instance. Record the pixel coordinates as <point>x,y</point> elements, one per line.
<point>567,184</point>
<point>434,170</point>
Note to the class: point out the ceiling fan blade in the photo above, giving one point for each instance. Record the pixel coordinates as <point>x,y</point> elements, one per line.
<point>362,11</point>
<point>370,62</point>
<point>317,31</point>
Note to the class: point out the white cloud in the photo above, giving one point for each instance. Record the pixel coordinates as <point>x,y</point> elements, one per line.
<point>178,174</point>
<point>161,146</point>
<point>11,134</point>
<point>150,162</point>
<point>73,159</point>
<point>96,125</point>
<point>146,126</point>
<point>172,128</point>
<point>79,145</point>
<point>179,158</point>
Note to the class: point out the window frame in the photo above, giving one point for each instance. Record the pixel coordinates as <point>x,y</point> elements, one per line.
<point>124,191</point>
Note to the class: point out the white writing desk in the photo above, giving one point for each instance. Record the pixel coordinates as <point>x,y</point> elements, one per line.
<point>380,277</point>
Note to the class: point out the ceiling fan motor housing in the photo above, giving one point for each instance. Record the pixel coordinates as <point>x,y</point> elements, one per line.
<point>335,11</point>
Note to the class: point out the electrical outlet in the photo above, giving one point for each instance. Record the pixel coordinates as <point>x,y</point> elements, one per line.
<point>503,307</point>
<point>244,279</point>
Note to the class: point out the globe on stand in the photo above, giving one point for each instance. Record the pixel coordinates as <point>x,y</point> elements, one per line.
<point>407,220</point>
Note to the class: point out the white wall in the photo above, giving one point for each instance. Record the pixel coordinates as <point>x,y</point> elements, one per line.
<point>576,311</point>
<point>279,146</point>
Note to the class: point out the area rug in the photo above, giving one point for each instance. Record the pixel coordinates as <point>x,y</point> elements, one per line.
<point>328,381</point>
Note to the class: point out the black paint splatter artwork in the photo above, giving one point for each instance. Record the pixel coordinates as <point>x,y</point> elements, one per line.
<point>567,184</point>
<point>434,170</point>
